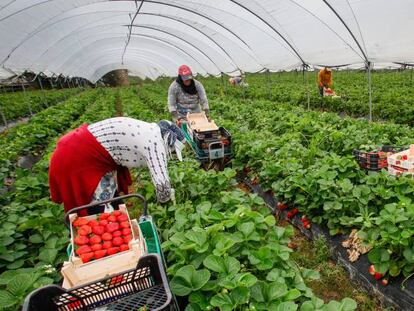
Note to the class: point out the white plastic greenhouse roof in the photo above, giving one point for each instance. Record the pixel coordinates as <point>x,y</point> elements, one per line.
<point>88,38</point>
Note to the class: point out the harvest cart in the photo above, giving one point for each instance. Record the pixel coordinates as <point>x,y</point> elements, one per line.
<point>121,285</point>
<point>211,144</point>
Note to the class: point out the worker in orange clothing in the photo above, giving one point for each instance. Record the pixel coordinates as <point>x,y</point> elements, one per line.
<point>324,79</point>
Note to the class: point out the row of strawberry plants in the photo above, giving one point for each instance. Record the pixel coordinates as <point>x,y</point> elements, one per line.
<point>33,236</point>
<point>305,159</point>
<point>392,93</point>
<point>21,104</point>
<point>31,138</point>
<point>222,246</point>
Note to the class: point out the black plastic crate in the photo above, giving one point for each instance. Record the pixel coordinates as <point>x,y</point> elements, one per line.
<point>375,160</point>
<point>146,285</point>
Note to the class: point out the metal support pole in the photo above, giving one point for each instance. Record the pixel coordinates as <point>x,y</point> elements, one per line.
<point>3,118</point>
<point>43,91</point>
<point>223,84</point>
<point>27,100</point>
<point>307,88</point>
<point>370,90</point>
<point>269,84</point>
<point>412,75</point>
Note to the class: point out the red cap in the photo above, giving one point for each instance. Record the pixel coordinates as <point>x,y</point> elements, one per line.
<point>185,72</point>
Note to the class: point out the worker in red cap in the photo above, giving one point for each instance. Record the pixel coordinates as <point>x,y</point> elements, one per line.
<point>186,95</point>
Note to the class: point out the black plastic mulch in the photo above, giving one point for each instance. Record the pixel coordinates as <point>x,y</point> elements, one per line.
<point>392,295</point>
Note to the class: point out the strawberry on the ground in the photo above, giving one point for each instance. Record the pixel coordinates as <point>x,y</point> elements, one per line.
<point>96,247</point>
<point>106,236</point>
<point>378,275</point>
<point>384,282</point>
<point>83,249</point>
<point>80,222</point>
<point>100,253</point>
<point>371,269</point>
<point>86,257</point>
<point>117,241</point>
<point>81,240</point>
<point>281,206</point>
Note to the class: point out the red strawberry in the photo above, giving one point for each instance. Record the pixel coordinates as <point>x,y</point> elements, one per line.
<point>107,236</point>
<point>122,218</point>
<point>125,224</point>
<point>116,279</point>
<point>117,241</point>
<point>384,282</point>
<point>116,233</point>
<point>281,206</point>
<point>124,247</point>
<point>95,239</point>
<point>81,240</point>
<point>292,245</point>
<point>100,253</point>
<point>96,247</point>
<point>103,222</point>
<point>117,213</point>
<point>93,223</point>
<point>404,157</point>
<point>75,304</point>
<point>111,227</point>
<point>113,250</point>
<point>112,218</point>
<point>378,275</point>
<point>85,230</point>
<point>126,231</point>
<point>371,269</point>
<point>128,238</point>
<point>83,249</point>
<point>86,257</point>
<point>307,226</point>
<point>104,216</point>
<point>98,230</point>
<point>295,211</point>
<point>107,244</point>
<point>80,222</point>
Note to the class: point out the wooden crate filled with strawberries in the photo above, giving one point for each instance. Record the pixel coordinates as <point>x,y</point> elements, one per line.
<point>102,245</point>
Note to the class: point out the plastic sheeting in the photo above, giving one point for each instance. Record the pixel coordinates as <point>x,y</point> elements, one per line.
<point>88,38</point>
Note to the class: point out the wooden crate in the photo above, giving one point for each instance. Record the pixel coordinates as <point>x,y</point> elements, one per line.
<point>76,273</point>
<point>199,122</point>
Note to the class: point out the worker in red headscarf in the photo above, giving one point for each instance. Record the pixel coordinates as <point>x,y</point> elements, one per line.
<point>186,95</point>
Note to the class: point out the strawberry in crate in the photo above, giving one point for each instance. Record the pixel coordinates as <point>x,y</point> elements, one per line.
<point>106,235</point>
